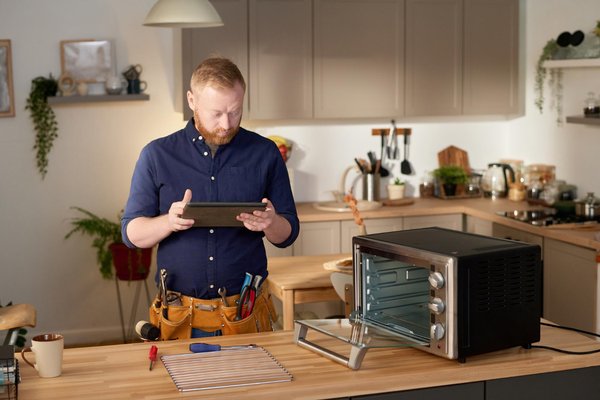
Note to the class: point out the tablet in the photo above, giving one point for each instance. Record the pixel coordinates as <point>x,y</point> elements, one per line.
<point>217,214</point>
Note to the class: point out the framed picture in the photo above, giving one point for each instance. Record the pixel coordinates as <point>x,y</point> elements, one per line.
<point>87,60</point>
<point>7,100</point>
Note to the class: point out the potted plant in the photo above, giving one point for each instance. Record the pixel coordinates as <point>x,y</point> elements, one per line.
<point>395,189</point>
<point>44,119</point>
<point>450,177</point>
<point>130,264</point>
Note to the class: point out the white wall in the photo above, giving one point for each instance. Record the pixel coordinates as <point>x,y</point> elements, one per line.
<point>98,144</point>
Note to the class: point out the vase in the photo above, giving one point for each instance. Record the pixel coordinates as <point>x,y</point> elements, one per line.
<point>395,191</point>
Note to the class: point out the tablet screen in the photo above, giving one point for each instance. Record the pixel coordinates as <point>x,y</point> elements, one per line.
<point>217,214</point>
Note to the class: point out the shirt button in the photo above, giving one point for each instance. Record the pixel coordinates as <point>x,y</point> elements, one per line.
<point>206,153</point>
<point>211,231</point>
<point>211,258</point>
<point>212,286</point>
<point>199,137</point>
<point>212,178</point>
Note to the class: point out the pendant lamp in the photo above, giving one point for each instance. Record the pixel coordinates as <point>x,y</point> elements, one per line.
<point>183,14</point>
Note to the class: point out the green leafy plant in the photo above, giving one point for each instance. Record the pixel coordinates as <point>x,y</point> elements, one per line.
<point>398,181</point>
<point>44,119</point>
<point>540,72</point>
<point>451,175</point>
<point>103,231</point>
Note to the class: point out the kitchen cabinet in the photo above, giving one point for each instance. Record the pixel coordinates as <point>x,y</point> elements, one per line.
<point>571,285</point>
<point>491,62</point>
<point>461,57</point>
<point>318,238</point>
<point>448,221</point>
<point>280,82</point>
<point>229,40</point>
<point>478,226</point>
<point>331,59</point>
<point>433,57</point>
<point>504,232</point>
<point>374,225</point>
<point>358,58</point>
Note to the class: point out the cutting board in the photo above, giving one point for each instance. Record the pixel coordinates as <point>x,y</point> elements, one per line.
<point>453,155</point>
<point>398,202</point>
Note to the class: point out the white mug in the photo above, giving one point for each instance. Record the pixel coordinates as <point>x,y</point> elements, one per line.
<point>48,350</point>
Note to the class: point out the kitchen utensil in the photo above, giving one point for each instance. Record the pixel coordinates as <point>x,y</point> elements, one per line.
<point>588,207</point>
<point>395,151</point>
<point>494,181</point>
<point>390,142</point>
<point>405,167</point>
<point>383,172</point>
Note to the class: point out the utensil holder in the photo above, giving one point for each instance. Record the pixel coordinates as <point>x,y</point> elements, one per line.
<point>370,187</point>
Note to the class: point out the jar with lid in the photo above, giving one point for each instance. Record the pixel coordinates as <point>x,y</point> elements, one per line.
<point>426,187</point>
<point>539,174</point>
<point>591,109</point>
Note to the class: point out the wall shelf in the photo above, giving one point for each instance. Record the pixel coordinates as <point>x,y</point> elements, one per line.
<point>57,100</point>
<point>580,119</point>
<point>573,63</point>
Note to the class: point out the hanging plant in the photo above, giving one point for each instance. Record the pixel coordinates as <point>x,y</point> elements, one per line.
<point>540,72</point>
<point>557,93</point>
<point>44,119</point>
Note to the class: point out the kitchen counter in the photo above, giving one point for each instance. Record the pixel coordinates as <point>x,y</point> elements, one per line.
<point>483,208</point>
<point>121,371</point>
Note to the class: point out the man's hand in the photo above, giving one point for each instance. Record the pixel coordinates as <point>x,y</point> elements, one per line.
<point>258,220</point>
<point>176,223</point>
<point>276,228</point>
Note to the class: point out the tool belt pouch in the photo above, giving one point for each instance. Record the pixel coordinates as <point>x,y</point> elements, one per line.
<point>178,321</point>
<point>260,320</point>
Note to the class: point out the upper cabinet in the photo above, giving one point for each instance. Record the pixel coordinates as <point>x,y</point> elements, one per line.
<point>434,62</point>
<point>280,85</point>
<point>491,62</point>
<point>359,58</point>
<point>229,40</point>
<point>332,59</point>
<point>461,57</point>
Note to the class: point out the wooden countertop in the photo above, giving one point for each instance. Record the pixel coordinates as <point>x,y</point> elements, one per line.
<point>121,371</point>
<point>483,208</point>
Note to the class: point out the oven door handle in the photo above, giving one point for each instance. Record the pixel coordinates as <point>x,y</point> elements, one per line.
<point>353,361</point>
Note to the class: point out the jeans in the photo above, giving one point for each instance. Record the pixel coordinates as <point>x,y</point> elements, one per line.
<point>198,333</point>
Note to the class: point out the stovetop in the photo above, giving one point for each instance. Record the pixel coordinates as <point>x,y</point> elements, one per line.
<point>544,217</point>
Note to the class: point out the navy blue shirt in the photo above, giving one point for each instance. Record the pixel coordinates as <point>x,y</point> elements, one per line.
<point>249,168</point>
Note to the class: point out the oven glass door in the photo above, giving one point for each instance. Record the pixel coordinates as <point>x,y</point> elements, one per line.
<point>359,333</point>
<point>395,295</point>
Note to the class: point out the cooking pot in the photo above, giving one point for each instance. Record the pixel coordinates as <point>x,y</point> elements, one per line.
<point>588,207</point>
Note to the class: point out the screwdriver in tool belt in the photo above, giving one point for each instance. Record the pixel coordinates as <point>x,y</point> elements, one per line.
<point>152,355</point>
<point>206,348</point>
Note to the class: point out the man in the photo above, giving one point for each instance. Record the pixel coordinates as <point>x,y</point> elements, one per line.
<point>212,159</point>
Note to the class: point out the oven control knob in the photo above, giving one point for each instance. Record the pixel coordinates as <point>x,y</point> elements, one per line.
<point>437,306</point>
<point>436,280</point>
<point>437,331</point>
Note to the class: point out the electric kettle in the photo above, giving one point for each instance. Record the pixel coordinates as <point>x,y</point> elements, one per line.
<point>495,180</point>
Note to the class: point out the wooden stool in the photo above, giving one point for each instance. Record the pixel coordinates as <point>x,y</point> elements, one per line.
<point>16,316</point>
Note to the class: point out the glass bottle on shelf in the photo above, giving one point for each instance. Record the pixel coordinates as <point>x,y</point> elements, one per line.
<point>591,108</point>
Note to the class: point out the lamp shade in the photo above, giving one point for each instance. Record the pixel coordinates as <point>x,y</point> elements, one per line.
<point>183,14</point>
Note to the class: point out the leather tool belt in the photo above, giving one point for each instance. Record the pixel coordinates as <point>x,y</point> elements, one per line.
<point>176,321</point>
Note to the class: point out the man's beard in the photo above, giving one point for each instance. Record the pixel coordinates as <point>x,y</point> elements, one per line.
<point>215,137</point>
